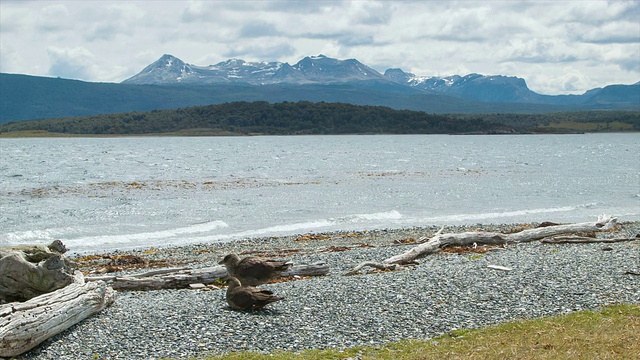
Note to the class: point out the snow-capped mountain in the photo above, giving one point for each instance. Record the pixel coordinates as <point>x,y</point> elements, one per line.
<point>494,88</point>
<point>511,89</point>
<point>322,70</point>
<point>315,69</point>
<point>171,70</point>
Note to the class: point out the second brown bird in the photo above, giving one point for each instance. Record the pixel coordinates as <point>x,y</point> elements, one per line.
<point>253,271</point>
<point>248,298</point>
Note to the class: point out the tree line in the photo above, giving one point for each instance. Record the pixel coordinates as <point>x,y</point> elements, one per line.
<point>303,117</point>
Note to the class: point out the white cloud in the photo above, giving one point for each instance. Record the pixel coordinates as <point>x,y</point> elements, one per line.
<point>557,47</point>
<point>49,18</point>
<point>118,20</point>
<point>71,63</point>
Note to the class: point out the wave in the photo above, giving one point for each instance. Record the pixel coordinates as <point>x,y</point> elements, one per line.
<point>208,232</point>
<point>279,229</point>
<point>44,236</point>
<point>356,218</point>
<point>330,224</point>
<point>196,233</point>
<point>144,238</point>
<point>309,226</point>
<point>498,215</point>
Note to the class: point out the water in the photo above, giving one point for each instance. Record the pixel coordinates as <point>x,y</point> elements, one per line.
<point>102,194</point>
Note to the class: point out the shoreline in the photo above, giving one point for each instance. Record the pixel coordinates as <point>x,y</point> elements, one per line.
<point>295,246</point>
<point>446,291</point>
<point>53,135</point>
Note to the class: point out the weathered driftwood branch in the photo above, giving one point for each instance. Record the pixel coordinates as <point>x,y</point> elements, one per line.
<point>440,241</point>
<point>183,277</point>
<point>24,325</point>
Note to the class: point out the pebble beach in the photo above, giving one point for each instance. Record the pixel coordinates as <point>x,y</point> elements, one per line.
<point>445,291</point>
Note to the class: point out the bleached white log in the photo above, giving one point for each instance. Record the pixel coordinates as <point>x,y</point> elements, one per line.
<point>440,241</point>
<point>182,278</point>
<point>24,325</point>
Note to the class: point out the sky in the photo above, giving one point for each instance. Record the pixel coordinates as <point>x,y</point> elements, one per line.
<point>558,47</point>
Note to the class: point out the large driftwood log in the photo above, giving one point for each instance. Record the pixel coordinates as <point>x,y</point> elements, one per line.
<point>181,278</point>
<point>31,270</point>
<point>24,325</point>
<point>440,241</point>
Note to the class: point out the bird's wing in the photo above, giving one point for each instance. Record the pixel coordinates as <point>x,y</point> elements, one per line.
<point>242,298</point>
<point>257,292</point>
<point>264,297</point>
<point>277,265</point>
<point>255,268</point>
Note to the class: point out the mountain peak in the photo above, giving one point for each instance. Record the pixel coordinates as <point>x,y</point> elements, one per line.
<point>231,63</point>
<point>168,60</point>
<point>167,69</point>
<point>398,75</point>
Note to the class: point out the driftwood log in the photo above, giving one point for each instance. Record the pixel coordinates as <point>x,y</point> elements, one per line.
<point>24,325</point>
<point>42,294</point>
<point>31,270</point>
<point>181,278</point>
<point>440,241</point>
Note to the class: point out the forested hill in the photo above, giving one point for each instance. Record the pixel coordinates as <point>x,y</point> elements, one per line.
<point>289,118</point>
<point>262,118</point>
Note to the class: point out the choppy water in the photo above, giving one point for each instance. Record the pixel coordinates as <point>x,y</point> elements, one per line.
<point>114,193</point>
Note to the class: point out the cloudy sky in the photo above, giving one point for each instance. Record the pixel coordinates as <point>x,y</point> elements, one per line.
<point>558,47</point>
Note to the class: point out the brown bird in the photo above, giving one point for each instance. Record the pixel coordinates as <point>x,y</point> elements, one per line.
<point>253,271</point>
<point>248,298</point>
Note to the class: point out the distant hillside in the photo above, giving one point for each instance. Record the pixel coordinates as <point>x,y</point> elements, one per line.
<point>31,97</point>
<point>289,118</point>
<point>26,97</point>
<point>170,83</point>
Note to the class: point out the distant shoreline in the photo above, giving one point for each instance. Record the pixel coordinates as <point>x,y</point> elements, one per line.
<point>46,134</point>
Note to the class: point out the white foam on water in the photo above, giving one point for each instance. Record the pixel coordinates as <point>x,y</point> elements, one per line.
<point>144,238</point>
<point>35,236</point>
<point>205,233</point>
<point>199,233</point>
<point>331,224</point>
<point>283,229</point>
<point>495,215</point>
<point>357,218</point>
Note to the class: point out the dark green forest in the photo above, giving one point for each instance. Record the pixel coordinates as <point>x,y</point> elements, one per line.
<point>297,118</point>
